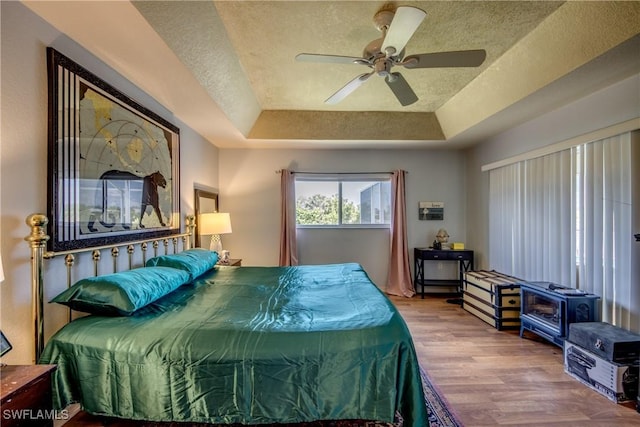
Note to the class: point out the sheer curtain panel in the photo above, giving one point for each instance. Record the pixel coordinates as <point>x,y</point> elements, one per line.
<point>399,281</point>
<point>288,241</point>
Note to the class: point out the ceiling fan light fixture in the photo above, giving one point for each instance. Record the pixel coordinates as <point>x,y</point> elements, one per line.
<point>382,67</point>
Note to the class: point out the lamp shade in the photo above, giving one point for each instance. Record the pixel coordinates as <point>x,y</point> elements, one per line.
<point>215,223</point>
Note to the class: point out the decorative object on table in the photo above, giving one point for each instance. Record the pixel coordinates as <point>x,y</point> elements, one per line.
<point>113,165</point>
<point>442,236</point>
<point>442,239</point>
<point>431,211</point>
<point>224,258</point>
<point>215,224</point>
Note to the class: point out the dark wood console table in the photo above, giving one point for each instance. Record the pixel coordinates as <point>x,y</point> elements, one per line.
<point>463,257</point>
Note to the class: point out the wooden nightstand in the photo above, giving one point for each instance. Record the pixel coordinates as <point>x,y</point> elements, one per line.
<point>237,262</point>
<point>26,395</point>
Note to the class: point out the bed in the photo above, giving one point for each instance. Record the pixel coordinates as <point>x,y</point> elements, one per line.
<point>249,345</point>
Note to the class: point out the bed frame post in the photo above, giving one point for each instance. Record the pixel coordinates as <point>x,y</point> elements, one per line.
<point>38,241</point>
<point>190,221</point>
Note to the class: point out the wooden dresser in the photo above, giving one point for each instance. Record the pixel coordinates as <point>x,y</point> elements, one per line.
<point>26,395</point>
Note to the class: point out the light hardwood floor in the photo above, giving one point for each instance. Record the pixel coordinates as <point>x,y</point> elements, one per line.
<point>494,378</point>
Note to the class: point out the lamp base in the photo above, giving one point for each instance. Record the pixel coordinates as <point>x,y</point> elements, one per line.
<point>216,244</point>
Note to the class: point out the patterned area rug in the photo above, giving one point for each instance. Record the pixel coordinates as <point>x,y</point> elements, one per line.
<point>439,413</point>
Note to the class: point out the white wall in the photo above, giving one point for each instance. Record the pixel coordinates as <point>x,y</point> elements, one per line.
<point>250,192</point>
<point>23,163</point>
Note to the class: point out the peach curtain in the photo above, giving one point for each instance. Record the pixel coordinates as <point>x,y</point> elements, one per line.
<point>399,281</point>
<point>288,246</point>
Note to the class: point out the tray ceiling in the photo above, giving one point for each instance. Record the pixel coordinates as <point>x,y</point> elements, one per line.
<point>235,62</point>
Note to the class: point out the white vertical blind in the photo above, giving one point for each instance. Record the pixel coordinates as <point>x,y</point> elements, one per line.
<point>530,226</point>
<point>566,218</point>
<point>547,238</point>
<point>604,214</point>
<point>505,214</point>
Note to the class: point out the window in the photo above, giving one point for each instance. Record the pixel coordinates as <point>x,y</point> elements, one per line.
<point>340,200</point>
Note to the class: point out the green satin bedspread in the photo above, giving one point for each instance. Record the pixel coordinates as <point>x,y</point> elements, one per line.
<point>247,345</point>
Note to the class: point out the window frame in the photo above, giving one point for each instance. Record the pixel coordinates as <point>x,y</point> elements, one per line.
<point>341,178</point>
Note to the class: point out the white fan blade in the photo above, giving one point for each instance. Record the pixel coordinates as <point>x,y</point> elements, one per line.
<point>348,88</point>
<point>332,59</point>
<point>463,58</point>
<point>405,22</point>
<point>401,89</point>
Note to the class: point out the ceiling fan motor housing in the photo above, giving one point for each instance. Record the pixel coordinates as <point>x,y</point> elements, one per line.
<point>372,50</point>
<point>382,66</point>
<point>382,20</point>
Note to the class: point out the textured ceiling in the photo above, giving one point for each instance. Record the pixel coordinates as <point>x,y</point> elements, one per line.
<point>229,70</point>
<point>268,35</point>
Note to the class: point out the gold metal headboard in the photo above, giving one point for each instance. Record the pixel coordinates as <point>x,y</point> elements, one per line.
<point>38,242</point>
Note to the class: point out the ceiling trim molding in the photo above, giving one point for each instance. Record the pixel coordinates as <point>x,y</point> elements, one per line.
<point>346,125</point>
<point>608,132</point>
<point>573,35</point>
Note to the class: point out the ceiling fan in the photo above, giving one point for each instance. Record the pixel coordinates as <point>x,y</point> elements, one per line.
<point>388,51</point>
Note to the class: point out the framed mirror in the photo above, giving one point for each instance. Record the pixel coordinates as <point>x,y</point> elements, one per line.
<point>205,202</point>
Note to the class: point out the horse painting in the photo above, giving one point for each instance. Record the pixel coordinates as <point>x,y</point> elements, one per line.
<point>149,196</point>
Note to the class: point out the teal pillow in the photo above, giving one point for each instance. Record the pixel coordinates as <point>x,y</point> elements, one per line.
<point>122,293</point>
<point>194,261</point>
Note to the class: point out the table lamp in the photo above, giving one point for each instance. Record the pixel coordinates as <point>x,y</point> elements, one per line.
<point>215,224</point>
